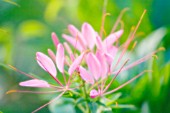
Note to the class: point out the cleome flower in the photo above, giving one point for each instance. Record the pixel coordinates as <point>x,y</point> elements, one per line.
<point>47,64</point>
<point>102,63</point>
<point>96,62</point>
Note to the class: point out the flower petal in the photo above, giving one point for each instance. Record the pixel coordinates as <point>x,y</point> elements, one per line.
<point>52,55</point>
<point>99,44</point>
<point>74,42</point>
<point>76,63</point>
<point>112,50</point>
<point>76,34</point>
<point>93,65</point>
<point>60,58</point>
<point>46,63</point>
<point>35,83</point>
<point>94,93</point>
<point>73,30</point>
<point>113,37</point>
<point>67,47</point>
<point>55,39</point>
<point>89,35</point>
<point>109,58</point>
<point>103,63</point>
<point>85,75</point>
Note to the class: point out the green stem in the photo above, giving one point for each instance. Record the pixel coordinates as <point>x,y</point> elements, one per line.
<point>85,96</point>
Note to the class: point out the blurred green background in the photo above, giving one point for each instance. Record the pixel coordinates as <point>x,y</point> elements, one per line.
<point>26,26</point>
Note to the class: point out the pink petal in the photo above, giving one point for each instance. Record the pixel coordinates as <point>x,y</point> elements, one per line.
<point>113,37</point>
<point>55,39</point>
<point>76,33</point>
<point>109,58</point>
<point>72,58</point>
<point>74,42</point>
<point>112,50</point>
<point>86,76</point>
<point>60,58</point>
<point>73,30</point>
<point>46,63</point>
<point>94,93</point>
<point>99,44</point>
<point>67,47</point>
<point>76,63</point>
<point>93,65</point>
<point>89,35</point>
<point>52,55</point>
<point>35,83</point>
<point>103,63</point>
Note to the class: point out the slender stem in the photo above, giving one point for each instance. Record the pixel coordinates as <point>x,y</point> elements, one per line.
<point>85,96</point>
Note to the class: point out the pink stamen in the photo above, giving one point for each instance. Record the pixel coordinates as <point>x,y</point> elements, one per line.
<point>131,80</point>
<point>15,69</point>
<point>129,40</point>
<point>48,102</point>
<point>115,76</point>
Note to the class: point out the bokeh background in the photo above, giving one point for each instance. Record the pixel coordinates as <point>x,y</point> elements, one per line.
<point>26,26</point>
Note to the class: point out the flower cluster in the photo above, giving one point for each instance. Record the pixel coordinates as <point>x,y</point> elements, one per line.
<point>85,56</point>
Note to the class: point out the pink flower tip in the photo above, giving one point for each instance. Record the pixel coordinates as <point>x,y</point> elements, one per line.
<point>94,93</point>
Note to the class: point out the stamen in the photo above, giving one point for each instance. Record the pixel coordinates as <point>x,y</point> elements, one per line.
<point>34,92</point>
<point>48,102</point>
<point>11,91</point>
<point>122,24</point>
<point>161,49</point>
<point>115,76</point>
<point>11,2</point>
<point>127,43</point>
<point>140,60</point>
<point>155,56</point>
<point>116,104</point>
<point>131,80</point>
<point>104,14</point>
<point>17,70</point>
<point>119,19</point>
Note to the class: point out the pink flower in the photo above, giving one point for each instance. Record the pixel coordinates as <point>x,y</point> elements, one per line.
<point>100,65</point>
<point>48,65</point>
<point>88,39</point>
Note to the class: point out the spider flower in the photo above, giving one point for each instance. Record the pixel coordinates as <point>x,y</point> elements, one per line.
<point>95,64</point>
<point>48,65</point>
<point>100,63</point>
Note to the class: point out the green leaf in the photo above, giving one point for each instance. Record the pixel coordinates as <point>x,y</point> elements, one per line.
<point>166,74</point>
<point>93,107</point>
<point>145,108</point>
<point>112,99</point>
